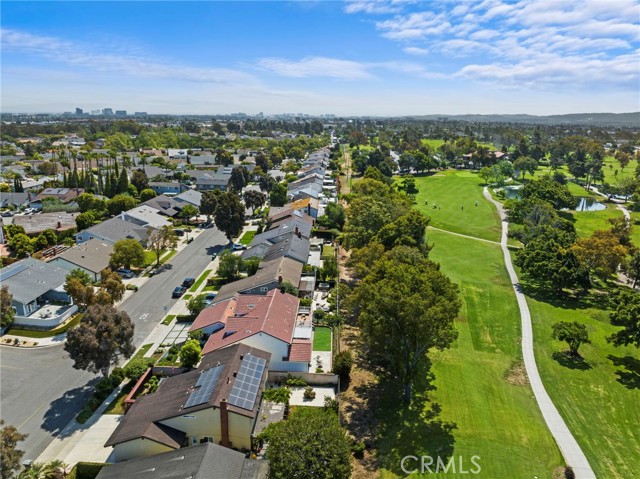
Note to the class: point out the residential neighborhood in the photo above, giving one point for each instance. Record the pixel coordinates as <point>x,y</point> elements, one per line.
<point>320,240</point>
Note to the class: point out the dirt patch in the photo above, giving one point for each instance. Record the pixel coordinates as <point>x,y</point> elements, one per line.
<point>516,375</point>
<point>558,473</point>
<point>357,404</point>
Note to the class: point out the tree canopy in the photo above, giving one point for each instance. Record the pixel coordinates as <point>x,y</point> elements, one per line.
<point>626,313</point>
<point>10,455</point>
<point>127,252</point>
<point>229,214</point>
<point>311,444</point>
<point>574,333</point>
<point>102,337</point>
<point>406,306</point>
<point>7,313</point>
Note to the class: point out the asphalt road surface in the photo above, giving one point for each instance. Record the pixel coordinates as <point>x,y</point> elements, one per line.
<point>40,392</point>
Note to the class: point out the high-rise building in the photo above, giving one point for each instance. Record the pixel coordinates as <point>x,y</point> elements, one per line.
<point>107,112</point>
<point>79,111</point>
<point>121,112</point>
<point>96,112</point>
<point>140,113</point>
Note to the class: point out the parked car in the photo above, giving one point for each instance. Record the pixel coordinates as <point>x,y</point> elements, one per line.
<point>179,232</point>
<point>125,273</point>
<point>214,256</point>
<point>152,272</point>
<point>7,213</point>
<point>238,246</point>
<point>188,282</point>
<point>178,291</point>
<point>208,299</point>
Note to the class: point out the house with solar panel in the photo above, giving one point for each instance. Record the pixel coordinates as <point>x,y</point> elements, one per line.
<point>39,298</point>
<point>218,402</point>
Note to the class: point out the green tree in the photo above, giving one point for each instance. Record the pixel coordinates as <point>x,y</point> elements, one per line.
<point>632,269</point>
<point>342,364</point>
<point>139,180</point>
<point>550,191</point>
<point>87,202</point>
<point>7,313</point>
<point>147,194</point>
<point>288,287</point>
<point>187,212</point>
<point>525,164</point>
<point>601,253</point>
<point>254,199</point>
<point>278,195</point>
<point>209,202</point>
<point>123,182</point>
<point>626,313</point>
<point>120,203</point>
<point>239,178</point>
<point>229,266</point>
<point>251,265</point>
<point>400,334</point>
<point>190,354</point>
<point>160,240</point>
<point>10,455</point>
<point>335,215</point>
<point>322,449</point>
<point>408,230</point>
<point>196,305</point>
<point>111,283</point>
<point>574,333</point>
<point>85,220</point>
<point>21,245</point>
<point>229,215</point>
<point>127,252</point>
<point>103,336</point>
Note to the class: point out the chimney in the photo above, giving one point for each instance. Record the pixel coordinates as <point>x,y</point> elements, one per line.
<point>279,279</point>
<point>296,229</point>
<point>224,424</point>
<point>122,215</point>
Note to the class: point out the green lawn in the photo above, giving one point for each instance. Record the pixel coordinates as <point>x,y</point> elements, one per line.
<point>170,317</point>
<point>589,221</point>
<point>247,238</point>
<point>635,228</point>
<point>322,339</point>
<point>598,398</point>
<point>33,333</point>
<point>613,173</point>
<point>493,419</point>
<point>200,280</point>
<point>328,251</point>
<point>450,192</point>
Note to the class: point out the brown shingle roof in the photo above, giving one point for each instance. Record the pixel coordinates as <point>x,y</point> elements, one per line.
<point>300,350</point>
<point>169,400</point>
<point>273,314</point>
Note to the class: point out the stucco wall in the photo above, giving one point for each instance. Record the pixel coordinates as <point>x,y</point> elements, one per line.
<point>138,448</point>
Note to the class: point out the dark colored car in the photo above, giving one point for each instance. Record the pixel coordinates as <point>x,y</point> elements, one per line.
<point>178,291</point>
<point>208,299</point>
<point>179,232</point>
<point>188,282</point>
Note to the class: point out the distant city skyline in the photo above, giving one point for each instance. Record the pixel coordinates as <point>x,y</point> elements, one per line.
<point>357,58</point>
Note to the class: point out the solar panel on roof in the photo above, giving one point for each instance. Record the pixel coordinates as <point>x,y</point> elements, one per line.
<point>247,384</point>
<point>11,271</point>
<point>204,387</point>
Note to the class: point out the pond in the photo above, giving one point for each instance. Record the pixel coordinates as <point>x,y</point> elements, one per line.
<point>589,204</point>
<point>513,192</point>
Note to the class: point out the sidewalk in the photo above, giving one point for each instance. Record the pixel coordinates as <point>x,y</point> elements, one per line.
<point>567,444</point>
<point>84,442</point>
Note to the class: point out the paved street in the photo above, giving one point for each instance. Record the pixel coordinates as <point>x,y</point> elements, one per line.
<point>40,390</point>
<point>146,307</point>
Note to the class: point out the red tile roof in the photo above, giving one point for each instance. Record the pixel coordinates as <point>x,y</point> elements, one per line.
<point>300,350</point>
<point>214,314</point>
<point>273,314</point>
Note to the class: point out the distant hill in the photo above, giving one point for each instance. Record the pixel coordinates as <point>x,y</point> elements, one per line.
<point>591,119</point>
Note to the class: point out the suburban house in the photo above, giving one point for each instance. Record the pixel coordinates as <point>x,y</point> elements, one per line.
<point>146,216</point>
<point>13,199</point>
<point>203,461</point>
<point>268,322</point>
<point>191,197</point>
<point>165,205</point>
<point>36,224</point>
<point>290,245</point>
<point>270,275</point>
<point>177,154</point>
<point>112,230</point>
<point>167,187</point>
<point>218,402</point>
<point>278,231</point>
<point>303,206</point>
<point>91,257</point>
<point>65,195</point>
<point>201,160</point>
<point>219,181</point>
<point>35,287</point>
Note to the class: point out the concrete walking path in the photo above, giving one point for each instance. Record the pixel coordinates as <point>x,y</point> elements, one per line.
<point>567,444</point>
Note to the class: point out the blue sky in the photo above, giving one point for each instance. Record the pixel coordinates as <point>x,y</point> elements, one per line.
<point>391,57</point>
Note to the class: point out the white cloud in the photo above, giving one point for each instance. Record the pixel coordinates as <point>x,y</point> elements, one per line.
<point>415,51</point>
<point>83,56</point>
<point>316,67</point>
<point>413,26</point>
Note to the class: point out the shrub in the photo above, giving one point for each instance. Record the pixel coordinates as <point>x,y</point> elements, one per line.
<point>309,393</point>
<point>294,381</point>
<point>319,370</point>
<point>358,449</point>
<point>330,404</point>
<point>136,368</point>
<point>568,473</point>
<point>305,301</point>
<point>117,375</point>
<point>278,395</point>
<point>131,287</point>
<point>342,364</point>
